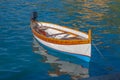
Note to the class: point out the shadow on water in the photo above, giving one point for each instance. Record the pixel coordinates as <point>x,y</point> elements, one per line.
<point>103,18</point>
<point>59,66</point>
<point>100,16</point>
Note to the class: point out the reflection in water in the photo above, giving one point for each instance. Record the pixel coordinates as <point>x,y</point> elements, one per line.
<point>60,66</point>
<point>86,10</point>
<point>102,16</point>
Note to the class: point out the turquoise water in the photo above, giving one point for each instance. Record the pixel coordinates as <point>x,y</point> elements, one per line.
<point>18,61</point>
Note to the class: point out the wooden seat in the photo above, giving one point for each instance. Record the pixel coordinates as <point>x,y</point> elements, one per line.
<point>55,34</point>
<point>68,36</point>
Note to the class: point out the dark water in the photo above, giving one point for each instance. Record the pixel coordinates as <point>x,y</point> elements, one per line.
<point>17,59</point>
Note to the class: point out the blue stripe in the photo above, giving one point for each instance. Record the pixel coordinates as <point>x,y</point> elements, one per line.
<point>50,50</point>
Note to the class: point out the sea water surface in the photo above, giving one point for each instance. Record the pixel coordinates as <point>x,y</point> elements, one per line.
<point>18,61</point>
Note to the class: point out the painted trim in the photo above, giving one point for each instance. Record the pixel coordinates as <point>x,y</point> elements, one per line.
<point>58,41</point>
<point>89,35</point>
<point>80,56</point>
<point>65,27</point>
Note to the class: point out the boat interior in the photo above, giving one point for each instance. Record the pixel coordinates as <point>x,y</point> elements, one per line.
<point>57,33</point>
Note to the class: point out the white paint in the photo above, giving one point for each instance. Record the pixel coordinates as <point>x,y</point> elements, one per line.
<point>83,49</point>
<point>52,31</point>
<point>63,28</point>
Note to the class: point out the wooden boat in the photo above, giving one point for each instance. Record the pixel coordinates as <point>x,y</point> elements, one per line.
<point>62,39</point>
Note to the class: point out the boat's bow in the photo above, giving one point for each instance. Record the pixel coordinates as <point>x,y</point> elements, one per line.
<point>62,39</point>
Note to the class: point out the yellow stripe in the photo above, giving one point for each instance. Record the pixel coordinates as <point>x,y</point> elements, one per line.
<point>62,42</point>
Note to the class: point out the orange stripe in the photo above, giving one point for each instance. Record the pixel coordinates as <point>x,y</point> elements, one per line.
<point>58,41</point>
<point>89,36</point>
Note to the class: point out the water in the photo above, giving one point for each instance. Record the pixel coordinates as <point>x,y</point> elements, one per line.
<point>62,66</point>
<point>18,61</point>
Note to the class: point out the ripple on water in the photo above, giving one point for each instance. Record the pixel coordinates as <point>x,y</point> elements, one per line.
<point>17,58</point>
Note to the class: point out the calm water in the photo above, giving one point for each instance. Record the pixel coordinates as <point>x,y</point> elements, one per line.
<point>19,62</point>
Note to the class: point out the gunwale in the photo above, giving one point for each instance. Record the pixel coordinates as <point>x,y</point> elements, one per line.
<point>60,41</point>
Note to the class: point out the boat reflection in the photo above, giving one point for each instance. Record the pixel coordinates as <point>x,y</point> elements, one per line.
<point>60,67</point>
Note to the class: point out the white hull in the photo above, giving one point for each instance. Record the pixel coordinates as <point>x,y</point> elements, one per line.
<point>82,49</point>
<point>81,45</point>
